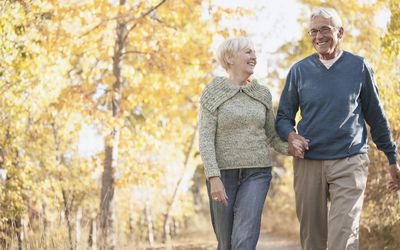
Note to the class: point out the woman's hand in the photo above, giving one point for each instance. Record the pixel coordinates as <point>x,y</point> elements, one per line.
<point>218,193</point>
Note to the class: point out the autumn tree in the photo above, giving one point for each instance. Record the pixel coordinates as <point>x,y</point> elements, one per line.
<point>133,70</point>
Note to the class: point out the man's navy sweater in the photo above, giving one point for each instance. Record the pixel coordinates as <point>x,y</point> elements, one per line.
<point>334,103</point>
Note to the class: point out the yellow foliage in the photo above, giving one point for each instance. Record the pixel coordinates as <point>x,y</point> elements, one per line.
<point>63,66</point>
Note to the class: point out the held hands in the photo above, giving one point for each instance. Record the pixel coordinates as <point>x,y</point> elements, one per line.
<point>297,145</point>
<point>394,184</point>
<point>218,193</point>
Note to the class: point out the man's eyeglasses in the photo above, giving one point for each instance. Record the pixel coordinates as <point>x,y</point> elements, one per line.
<point>324,30</point>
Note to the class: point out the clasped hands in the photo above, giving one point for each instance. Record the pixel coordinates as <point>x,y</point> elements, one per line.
<point>394,171</point>
<point>297,145</point>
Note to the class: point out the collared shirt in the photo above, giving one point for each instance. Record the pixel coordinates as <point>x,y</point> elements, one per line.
<point>330,62</point>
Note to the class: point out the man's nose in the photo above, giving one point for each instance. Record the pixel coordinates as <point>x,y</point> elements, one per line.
<point>319,34</point>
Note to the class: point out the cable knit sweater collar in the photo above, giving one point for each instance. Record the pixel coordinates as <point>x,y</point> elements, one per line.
<point>221,89</point>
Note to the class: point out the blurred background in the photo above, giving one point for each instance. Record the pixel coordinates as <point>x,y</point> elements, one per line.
<point>99,103</point>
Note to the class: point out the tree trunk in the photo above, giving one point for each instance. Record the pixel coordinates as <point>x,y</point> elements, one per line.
<point>67,214</point>
<point>132,223</point>
<point>92,240</point>
<point>78,230</point>
<point>25,226</point>
<point>45,225</point>
<point>19,231</point>
<point>107,195</point>
<point>107,227</point>
<point>178,186</point>
<point>149,220</point>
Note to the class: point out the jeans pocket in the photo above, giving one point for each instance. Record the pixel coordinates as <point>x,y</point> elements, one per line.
<point>262,172</point>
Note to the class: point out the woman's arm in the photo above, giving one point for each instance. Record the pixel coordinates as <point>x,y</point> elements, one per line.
<point>273,138</point>
<point>207,131</point>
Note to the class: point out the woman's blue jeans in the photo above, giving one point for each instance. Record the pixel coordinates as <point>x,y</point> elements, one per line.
<point>237,226</point>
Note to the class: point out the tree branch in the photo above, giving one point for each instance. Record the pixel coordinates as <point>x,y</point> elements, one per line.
<point>162,22</point>
<point>135,52</point>
<point>141,16</point>
<point>148,11</point>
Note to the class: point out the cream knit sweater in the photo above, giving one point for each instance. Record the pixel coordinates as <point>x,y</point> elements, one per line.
<point>236,127</point>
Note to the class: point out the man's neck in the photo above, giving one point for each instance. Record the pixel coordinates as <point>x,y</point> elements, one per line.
<point>331,56</point>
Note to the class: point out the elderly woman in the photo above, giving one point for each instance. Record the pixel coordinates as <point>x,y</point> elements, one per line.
<point>236,129</point>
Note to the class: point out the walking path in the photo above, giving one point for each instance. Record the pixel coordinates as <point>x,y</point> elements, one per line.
<point>266,242</point>
<point>271,242</point>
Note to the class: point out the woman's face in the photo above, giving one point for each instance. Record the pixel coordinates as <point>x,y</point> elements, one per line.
<point>244,61</point>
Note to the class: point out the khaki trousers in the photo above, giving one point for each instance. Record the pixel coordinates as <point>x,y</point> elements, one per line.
<point>342,182</point>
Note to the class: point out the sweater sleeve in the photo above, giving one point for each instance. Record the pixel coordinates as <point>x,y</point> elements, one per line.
<point>207,131</point>
<point>273,138</point>
<point>375,116</point>
<point>288,107</point>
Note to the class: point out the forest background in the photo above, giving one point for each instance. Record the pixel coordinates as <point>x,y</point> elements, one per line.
<point>99,106</point>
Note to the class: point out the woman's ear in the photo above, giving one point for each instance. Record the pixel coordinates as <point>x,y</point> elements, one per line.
<point>229,60</point>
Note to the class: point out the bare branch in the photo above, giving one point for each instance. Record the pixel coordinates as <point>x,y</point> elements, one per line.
<point>98,25</point>
<point>135,52</point>
<point>148,11</point>
<point>128,31</point>
<point>141,16</point>
<point>162,22</point>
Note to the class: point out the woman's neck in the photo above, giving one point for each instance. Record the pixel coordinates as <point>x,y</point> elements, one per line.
<point>239,79</point>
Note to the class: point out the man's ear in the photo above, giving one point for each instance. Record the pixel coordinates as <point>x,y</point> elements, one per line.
<point>341,32</point>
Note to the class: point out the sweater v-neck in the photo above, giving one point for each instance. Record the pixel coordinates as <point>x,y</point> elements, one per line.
<point>318,61</point>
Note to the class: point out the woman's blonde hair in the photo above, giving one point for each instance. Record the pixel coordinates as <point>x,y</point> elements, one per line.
<point>230,47</point>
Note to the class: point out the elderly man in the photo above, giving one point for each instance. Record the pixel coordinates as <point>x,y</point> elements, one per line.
<point>336,92</point>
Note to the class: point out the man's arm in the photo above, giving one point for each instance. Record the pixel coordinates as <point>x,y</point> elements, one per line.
<point>375,116</point>
<point>380,130</point>
<point>285,120</point>
<point>288,107</point>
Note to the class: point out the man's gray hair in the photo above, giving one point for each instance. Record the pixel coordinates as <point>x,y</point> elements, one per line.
<point>327,13</point>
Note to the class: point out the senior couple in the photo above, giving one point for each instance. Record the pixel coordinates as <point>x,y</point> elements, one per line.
<point>336,93</point>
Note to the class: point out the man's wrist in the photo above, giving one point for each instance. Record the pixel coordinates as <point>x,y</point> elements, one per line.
<point>291,134</point>
<point>391,158</point>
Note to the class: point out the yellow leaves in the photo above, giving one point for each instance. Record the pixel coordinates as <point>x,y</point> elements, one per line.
<point>66,79</point>
<point>109,79</point>
<point>391,41</point>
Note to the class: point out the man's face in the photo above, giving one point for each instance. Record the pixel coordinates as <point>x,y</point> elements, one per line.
<point>325,37</point>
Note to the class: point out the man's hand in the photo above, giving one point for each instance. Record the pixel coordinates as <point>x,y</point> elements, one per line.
<point>394,184</point>
<point>297,145</point>
<point>217,191</point>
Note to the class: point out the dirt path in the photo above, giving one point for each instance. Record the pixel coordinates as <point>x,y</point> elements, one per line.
<point>267,241</point>
<point>272,242</point>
